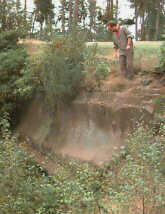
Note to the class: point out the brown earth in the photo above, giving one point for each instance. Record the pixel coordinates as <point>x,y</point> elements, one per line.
<point>95,126</point>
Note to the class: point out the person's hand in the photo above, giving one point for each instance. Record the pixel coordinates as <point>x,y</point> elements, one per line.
<point>115,55</point>
<point>128,47</point>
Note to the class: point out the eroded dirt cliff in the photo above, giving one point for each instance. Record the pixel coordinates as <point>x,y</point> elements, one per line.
<point>95,125</point>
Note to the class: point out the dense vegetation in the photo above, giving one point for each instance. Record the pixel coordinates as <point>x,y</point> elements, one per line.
<point>67,67</point>
<point>133,182</point>
<point>16,78</point>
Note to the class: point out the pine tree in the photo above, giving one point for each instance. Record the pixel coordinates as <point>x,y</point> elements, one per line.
<point>44,11</point>
<point>150,14</point>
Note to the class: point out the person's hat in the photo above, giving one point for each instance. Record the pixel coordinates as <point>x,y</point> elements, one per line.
<point>112,23</point>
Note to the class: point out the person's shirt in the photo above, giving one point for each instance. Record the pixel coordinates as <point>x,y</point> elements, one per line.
<point>121,40</point>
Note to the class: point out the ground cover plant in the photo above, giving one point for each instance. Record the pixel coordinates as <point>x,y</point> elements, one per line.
<point>133,182</point>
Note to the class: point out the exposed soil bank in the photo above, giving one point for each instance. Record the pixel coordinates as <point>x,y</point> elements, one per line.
<point>86,130</point>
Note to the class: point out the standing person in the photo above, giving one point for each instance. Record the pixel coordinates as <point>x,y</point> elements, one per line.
<point>123,44</point>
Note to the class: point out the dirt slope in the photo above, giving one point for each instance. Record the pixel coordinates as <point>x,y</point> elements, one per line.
<point>94,127</point>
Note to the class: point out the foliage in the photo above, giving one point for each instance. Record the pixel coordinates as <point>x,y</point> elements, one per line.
<point>44,12</point>
<point>96,69</point>
<point>16,78</point>
<point>140,180</point>
<point>102,70</point>
<point>27,188</point>
<point>133,182</point>
<point>161,68</point>
<point>61,70</point>
<point>151,13</point>
<point>12,17</point>
<point>159,104</point>
<point>9,40</point>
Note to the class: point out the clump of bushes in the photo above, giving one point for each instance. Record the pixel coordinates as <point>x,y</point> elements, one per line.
<point>96,70</point>
<point>65,68</point>
<point>60,71</point>
<point>15,79</point>
<point>133,182</point>
<point>140,179</point>
<point>160,69</point>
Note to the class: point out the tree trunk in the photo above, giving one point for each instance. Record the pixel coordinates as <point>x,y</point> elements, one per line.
<point>108,9</point>
<point>4,15</point>
<point>25,8</point>
<point>33,24</point>
<point>75,13</point>
<point>92,11</point>
<point>112,11</point>
<point>63,15</point>
<point>136,21</point>
<point>157,26</point>
<point>142,26</point>
<point>116,11</point>
<point>25,5</point>
<point>70,13</point>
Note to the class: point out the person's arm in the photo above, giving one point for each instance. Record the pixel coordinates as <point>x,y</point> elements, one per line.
<point>115,55</point>
<point>129,36</point>
<point>115,50</point>
<point>129,43</point>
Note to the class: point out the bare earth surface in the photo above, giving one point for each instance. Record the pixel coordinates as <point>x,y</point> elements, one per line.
<point>94,127</point>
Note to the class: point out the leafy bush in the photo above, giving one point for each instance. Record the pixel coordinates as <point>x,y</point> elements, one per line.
<point>133,182</point>
<point>140,180</point>
<point>13,18</point>
<point>16,78</point>
<point>61,71</point>
<point>27,188</point>
<point>161,67</point>
<point>96,69</point>
<point>8,40</point>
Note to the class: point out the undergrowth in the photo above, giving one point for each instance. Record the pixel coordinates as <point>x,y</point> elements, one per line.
<point>133,182</point>
<point>16,80</point>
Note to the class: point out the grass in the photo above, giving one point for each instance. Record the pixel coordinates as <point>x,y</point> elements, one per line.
<point>148,46</point>
<point>145,48</point>
<point>146,53</point>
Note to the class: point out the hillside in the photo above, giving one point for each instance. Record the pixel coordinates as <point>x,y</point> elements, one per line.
<point>97,122</point>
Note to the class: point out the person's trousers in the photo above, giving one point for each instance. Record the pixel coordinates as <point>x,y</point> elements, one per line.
<point>126,65</point>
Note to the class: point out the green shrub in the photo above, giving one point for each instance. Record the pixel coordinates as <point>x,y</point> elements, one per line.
<point>140,182</point>
<point>61,69</point>
<point>133,182</point>
<point>161,67</point>
<point>102,70</point>
<point>16,77</point>
<point>96,69</point>
<point>26,187</point>
<point>8,40</point>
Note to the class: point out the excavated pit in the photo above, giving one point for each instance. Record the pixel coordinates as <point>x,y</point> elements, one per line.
<point>84,130</point>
